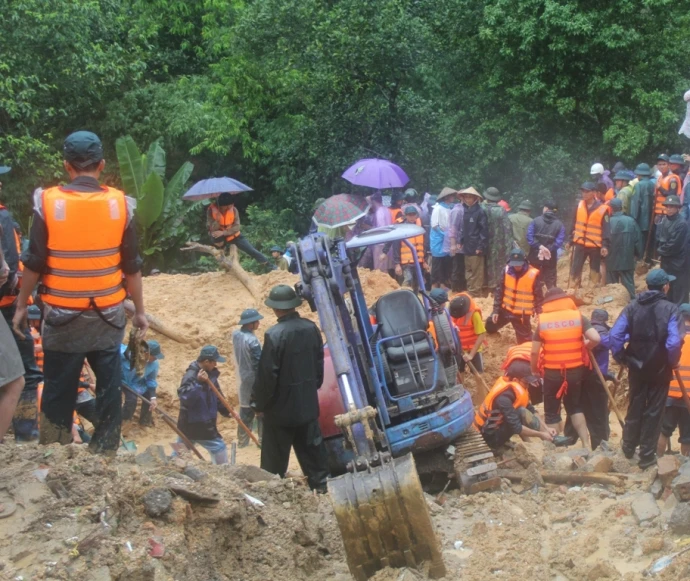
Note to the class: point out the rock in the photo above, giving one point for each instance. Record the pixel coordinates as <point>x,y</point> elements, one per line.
<point>249,473</point>
<point>563,463</point>
<point>621,465</point>
<point>598,463</point>
<point>100,574</point>
<point>579,462</point>
<point>652,544</point>
<point>679,523</point>
<point>561,517</point>
<point>603,570</point>
<point>157,501</point>
<point>194,473</point>
<point>668,469</point>
<point>532,477</point>
<point>681,487</point>
<point>152,456</point>
<point>656,488</point>
<point>644,508</point>
<point>584,452</point>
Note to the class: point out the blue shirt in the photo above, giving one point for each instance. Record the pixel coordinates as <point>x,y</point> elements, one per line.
<point>149,381</point>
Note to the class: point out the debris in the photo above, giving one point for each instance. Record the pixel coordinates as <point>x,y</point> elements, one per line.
<point>652,544</point>
<point>679,523</point>
<point>668,467</point>
<point>568,478</point>
<point>661,564</point>
<point>656,489</point>
<point>598,463</point>
<point>192,495</point>
<point>681,487</point>
<point>41,474</point>
<point>532,477</point>
<point>457,545</point>
<point>603,570</point>
<point>194,473</point>
<point>156,549</point>
<point>152,456</point>
<point>249,473</point>
<point>644,507</point>
<point>157,502</point>
<point>253,501</point>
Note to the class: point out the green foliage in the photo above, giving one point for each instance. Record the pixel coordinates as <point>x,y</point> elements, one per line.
<point>266,228</point>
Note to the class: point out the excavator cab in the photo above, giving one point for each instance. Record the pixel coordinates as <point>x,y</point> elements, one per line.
<point>389,401</point>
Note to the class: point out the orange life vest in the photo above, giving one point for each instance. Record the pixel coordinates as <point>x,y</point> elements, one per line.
<point>9,299</point>
<point>521,352</point>
<point>588,225</point>
<point>665,183</point>
<point>684,369</point>
<point>466,333</point>
<point>38,347</point>
<point>501,386</point>
<point>396,214</point>
<point>610,194</point>
<point>416,241</point>
<point>226,220</point>
<point>560,331</point>
<point>85,232</point>
<point>518,293</point>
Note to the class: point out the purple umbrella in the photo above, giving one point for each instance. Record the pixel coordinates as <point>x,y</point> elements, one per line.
<point>213,187</point>
<point>376,173</point>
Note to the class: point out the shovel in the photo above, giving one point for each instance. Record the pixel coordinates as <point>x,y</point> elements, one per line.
<point>606,388</point>
<point>478,377</point>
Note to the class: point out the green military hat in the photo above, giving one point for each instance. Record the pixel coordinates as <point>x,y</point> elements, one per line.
<point>283,297</point>
<point>643,169</point>
<point>439,295</point>
<point>250,316</point>
<point>492,194</point>
<point>526,205</point>
<point>672,200</point>
<point>411,193</point>
<point>276,249</point>
<point>622,175</point>
<point>676,158</point>
<point>616,204</point>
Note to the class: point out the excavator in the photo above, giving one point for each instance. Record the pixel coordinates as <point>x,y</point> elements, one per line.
<point>389,403</point>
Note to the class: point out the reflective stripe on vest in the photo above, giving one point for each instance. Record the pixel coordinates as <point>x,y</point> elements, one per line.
<point>226,220</point>
<point>85,231</point>
<point>416,241</point>
<point>466,333</point>
<point>521,352</point>
<point>665,183</point>
<point>501,386</point>
<point>684,369</point>
<point>518,294</point>
<point>560,330</point>
<point>588,225</point>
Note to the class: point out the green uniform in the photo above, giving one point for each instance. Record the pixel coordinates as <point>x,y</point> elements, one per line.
<point>624,195</point>
<point>626,244</point>
<point>500,243</point>
<point>520,223</point>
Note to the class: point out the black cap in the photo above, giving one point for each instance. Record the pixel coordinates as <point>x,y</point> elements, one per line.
<point>662,157</point>
<point>600,316</point>
<point>517,258</point>
<point>211,353</point>
<point>555,293</point>
<point>459,306</point>
<point>439,295</point>
<point>82,149</point>
<point>551,205</point>
<point>588,187</point>
<point>659,277</point>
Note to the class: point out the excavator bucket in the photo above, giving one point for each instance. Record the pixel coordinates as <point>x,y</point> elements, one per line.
<point>384,520</point>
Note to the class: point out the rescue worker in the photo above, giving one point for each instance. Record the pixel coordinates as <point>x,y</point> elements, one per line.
<point>676,415</point>
<point>403,259</point>
<point>474,241</point>
<point>601,176</point>
<point>517,298</point>
<point>676,164</point>
<point>626,246</point>
<point>507,410</point>
<point>564,334</point>
<point>247,351</point>
<point>653,329</point>
<point>621,190</point>
<point>145,384</point>
<point>25,424</point>
<point>520,222</point>
<point>667,184</point>
<point>278,259</point>
<point>590,236</point>
<point>467,318</point>
<point>642,205</point>
<point>285,391</point>
<point>83,244</point>
<point>223,223</point>
<point>500,233</point>
<point>396,207</point>
<point>545,236</point>
<point>200,406</point>
<point>11,366</point>
<point>672,247</point>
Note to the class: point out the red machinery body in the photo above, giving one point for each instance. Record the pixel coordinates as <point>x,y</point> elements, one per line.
<point>330,402</point>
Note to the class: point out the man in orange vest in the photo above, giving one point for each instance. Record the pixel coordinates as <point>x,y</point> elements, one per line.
<point>517,298</point>
<point>83,246</point>
<point>507,409</point>
<point>676,414</point>
<point>591,235</point>
<point>403,259</point>
<point>223,222</point>
<point>467,318</point>
<point>564,335</point>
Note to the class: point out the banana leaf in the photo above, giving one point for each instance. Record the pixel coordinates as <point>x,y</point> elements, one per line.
<point>131,166</point>
<point>149,207</point>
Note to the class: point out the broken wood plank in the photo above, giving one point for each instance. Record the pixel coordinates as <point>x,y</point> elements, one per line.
<point>566,477</point>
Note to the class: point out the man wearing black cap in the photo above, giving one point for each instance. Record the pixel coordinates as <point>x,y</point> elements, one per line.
<point>517,298</point>
<point>200,406</point>
<point>83,245</point>
<point>672,247</point>
<point>545,236</point>
<point>247,350</point>
<point>642,204</point>
<point>285,391</point>
<point>520,222</point>
<point>223,223</point>
<point>626,245</point>
<point>590,236</point>
<point>653,329</point>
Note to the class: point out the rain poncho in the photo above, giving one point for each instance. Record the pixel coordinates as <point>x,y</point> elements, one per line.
<point>247,351</point>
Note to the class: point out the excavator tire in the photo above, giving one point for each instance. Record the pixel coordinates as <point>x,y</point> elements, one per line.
<point>475,466</point>
<point>384,520</point>
<point>446,347</point>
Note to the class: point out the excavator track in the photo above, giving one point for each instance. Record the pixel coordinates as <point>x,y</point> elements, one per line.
<point>475,466</point>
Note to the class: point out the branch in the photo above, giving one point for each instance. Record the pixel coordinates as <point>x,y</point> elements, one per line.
<point>157,325</point>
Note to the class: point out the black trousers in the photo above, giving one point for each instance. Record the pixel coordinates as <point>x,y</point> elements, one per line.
<point>62,372</point>
<point>549,271</point>
<point>458,283</point>
<point>522,326</point>
<point>245,246</point>
<point>645,414</point>
<point>625,277</point>
<point>309,449</point>
<point>595,406</point>
<point>130,406</point>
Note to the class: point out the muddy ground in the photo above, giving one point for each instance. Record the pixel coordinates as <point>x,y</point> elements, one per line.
<point>87,518</point>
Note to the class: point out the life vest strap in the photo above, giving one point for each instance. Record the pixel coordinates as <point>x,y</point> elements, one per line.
<point>83,253</point>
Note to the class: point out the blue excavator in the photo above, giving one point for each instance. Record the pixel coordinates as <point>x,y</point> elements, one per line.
<point>390,405</point>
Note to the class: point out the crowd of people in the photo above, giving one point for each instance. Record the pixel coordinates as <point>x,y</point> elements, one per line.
<point>67,360</point>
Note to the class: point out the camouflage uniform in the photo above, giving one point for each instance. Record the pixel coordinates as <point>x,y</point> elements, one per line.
<point>500,243</point>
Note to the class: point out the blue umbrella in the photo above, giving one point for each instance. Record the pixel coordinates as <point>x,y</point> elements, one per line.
<point>4,169</point>
<point>213,187</point>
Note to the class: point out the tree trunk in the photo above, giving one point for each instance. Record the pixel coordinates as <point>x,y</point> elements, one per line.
<point>566,477</point>
<point>157,326</point>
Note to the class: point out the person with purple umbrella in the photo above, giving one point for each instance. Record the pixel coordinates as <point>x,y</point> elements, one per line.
<point>223,222</point>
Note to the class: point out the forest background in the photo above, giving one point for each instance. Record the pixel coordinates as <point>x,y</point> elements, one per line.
<point>284,95</point>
